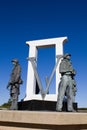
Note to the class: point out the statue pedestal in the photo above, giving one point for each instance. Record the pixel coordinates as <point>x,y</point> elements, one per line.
<point>41,105</point>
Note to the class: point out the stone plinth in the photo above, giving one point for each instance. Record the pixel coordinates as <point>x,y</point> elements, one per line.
<point>24,120</point>
<point>39,105</point>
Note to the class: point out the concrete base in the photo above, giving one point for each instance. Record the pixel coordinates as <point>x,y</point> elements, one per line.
<point>42,105</point>
<point>28,120</point>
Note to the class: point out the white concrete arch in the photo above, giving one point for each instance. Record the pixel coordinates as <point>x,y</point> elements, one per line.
<point>33,49</point>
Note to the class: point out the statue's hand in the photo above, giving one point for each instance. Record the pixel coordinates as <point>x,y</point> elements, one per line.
<point>73,72</point>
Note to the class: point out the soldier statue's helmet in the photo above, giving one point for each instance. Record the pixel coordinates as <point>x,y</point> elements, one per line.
<point>15,60</point>
<point>67,54</point>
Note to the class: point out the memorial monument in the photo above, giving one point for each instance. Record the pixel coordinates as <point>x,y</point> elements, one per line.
<point>67,84</point>
<point>38,98</point>
<point>14,84</point>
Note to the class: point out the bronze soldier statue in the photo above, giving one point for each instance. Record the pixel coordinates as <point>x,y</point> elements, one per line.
<point>67,84</point>
<point>14,84</point>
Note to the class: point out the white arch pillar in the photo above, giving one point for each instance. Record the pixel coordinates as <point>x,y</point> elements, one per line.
<point>33,46</point>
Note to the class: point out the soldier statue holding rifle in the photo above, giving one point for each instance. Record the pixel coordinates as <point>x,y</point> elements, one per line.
<point>14,84</point>
<point>67,84</point>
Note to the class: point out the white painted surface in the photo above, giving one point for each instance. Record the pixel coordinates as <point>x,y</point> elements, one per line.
<point>30,86</point>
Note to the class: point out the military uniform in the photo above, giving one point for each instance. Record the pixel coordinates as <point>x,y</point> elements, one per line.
<point>14,84</point>
<point>66,85</point>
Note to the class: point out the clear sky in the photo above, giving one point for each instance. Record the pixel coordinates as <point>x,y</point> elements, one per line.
<point>25,20</point>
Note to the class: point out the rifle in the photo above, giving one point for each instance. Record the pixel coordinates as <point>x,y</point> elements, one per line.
<point>9,84</point>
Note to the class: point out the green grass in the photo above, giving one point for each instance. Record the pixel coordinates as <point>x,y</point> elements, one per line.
<point>6,105</point>
<point>82,108</point>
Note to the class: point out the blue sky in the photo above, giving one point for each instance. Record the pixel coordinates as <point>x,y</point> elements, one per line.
<point>25,20</point>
